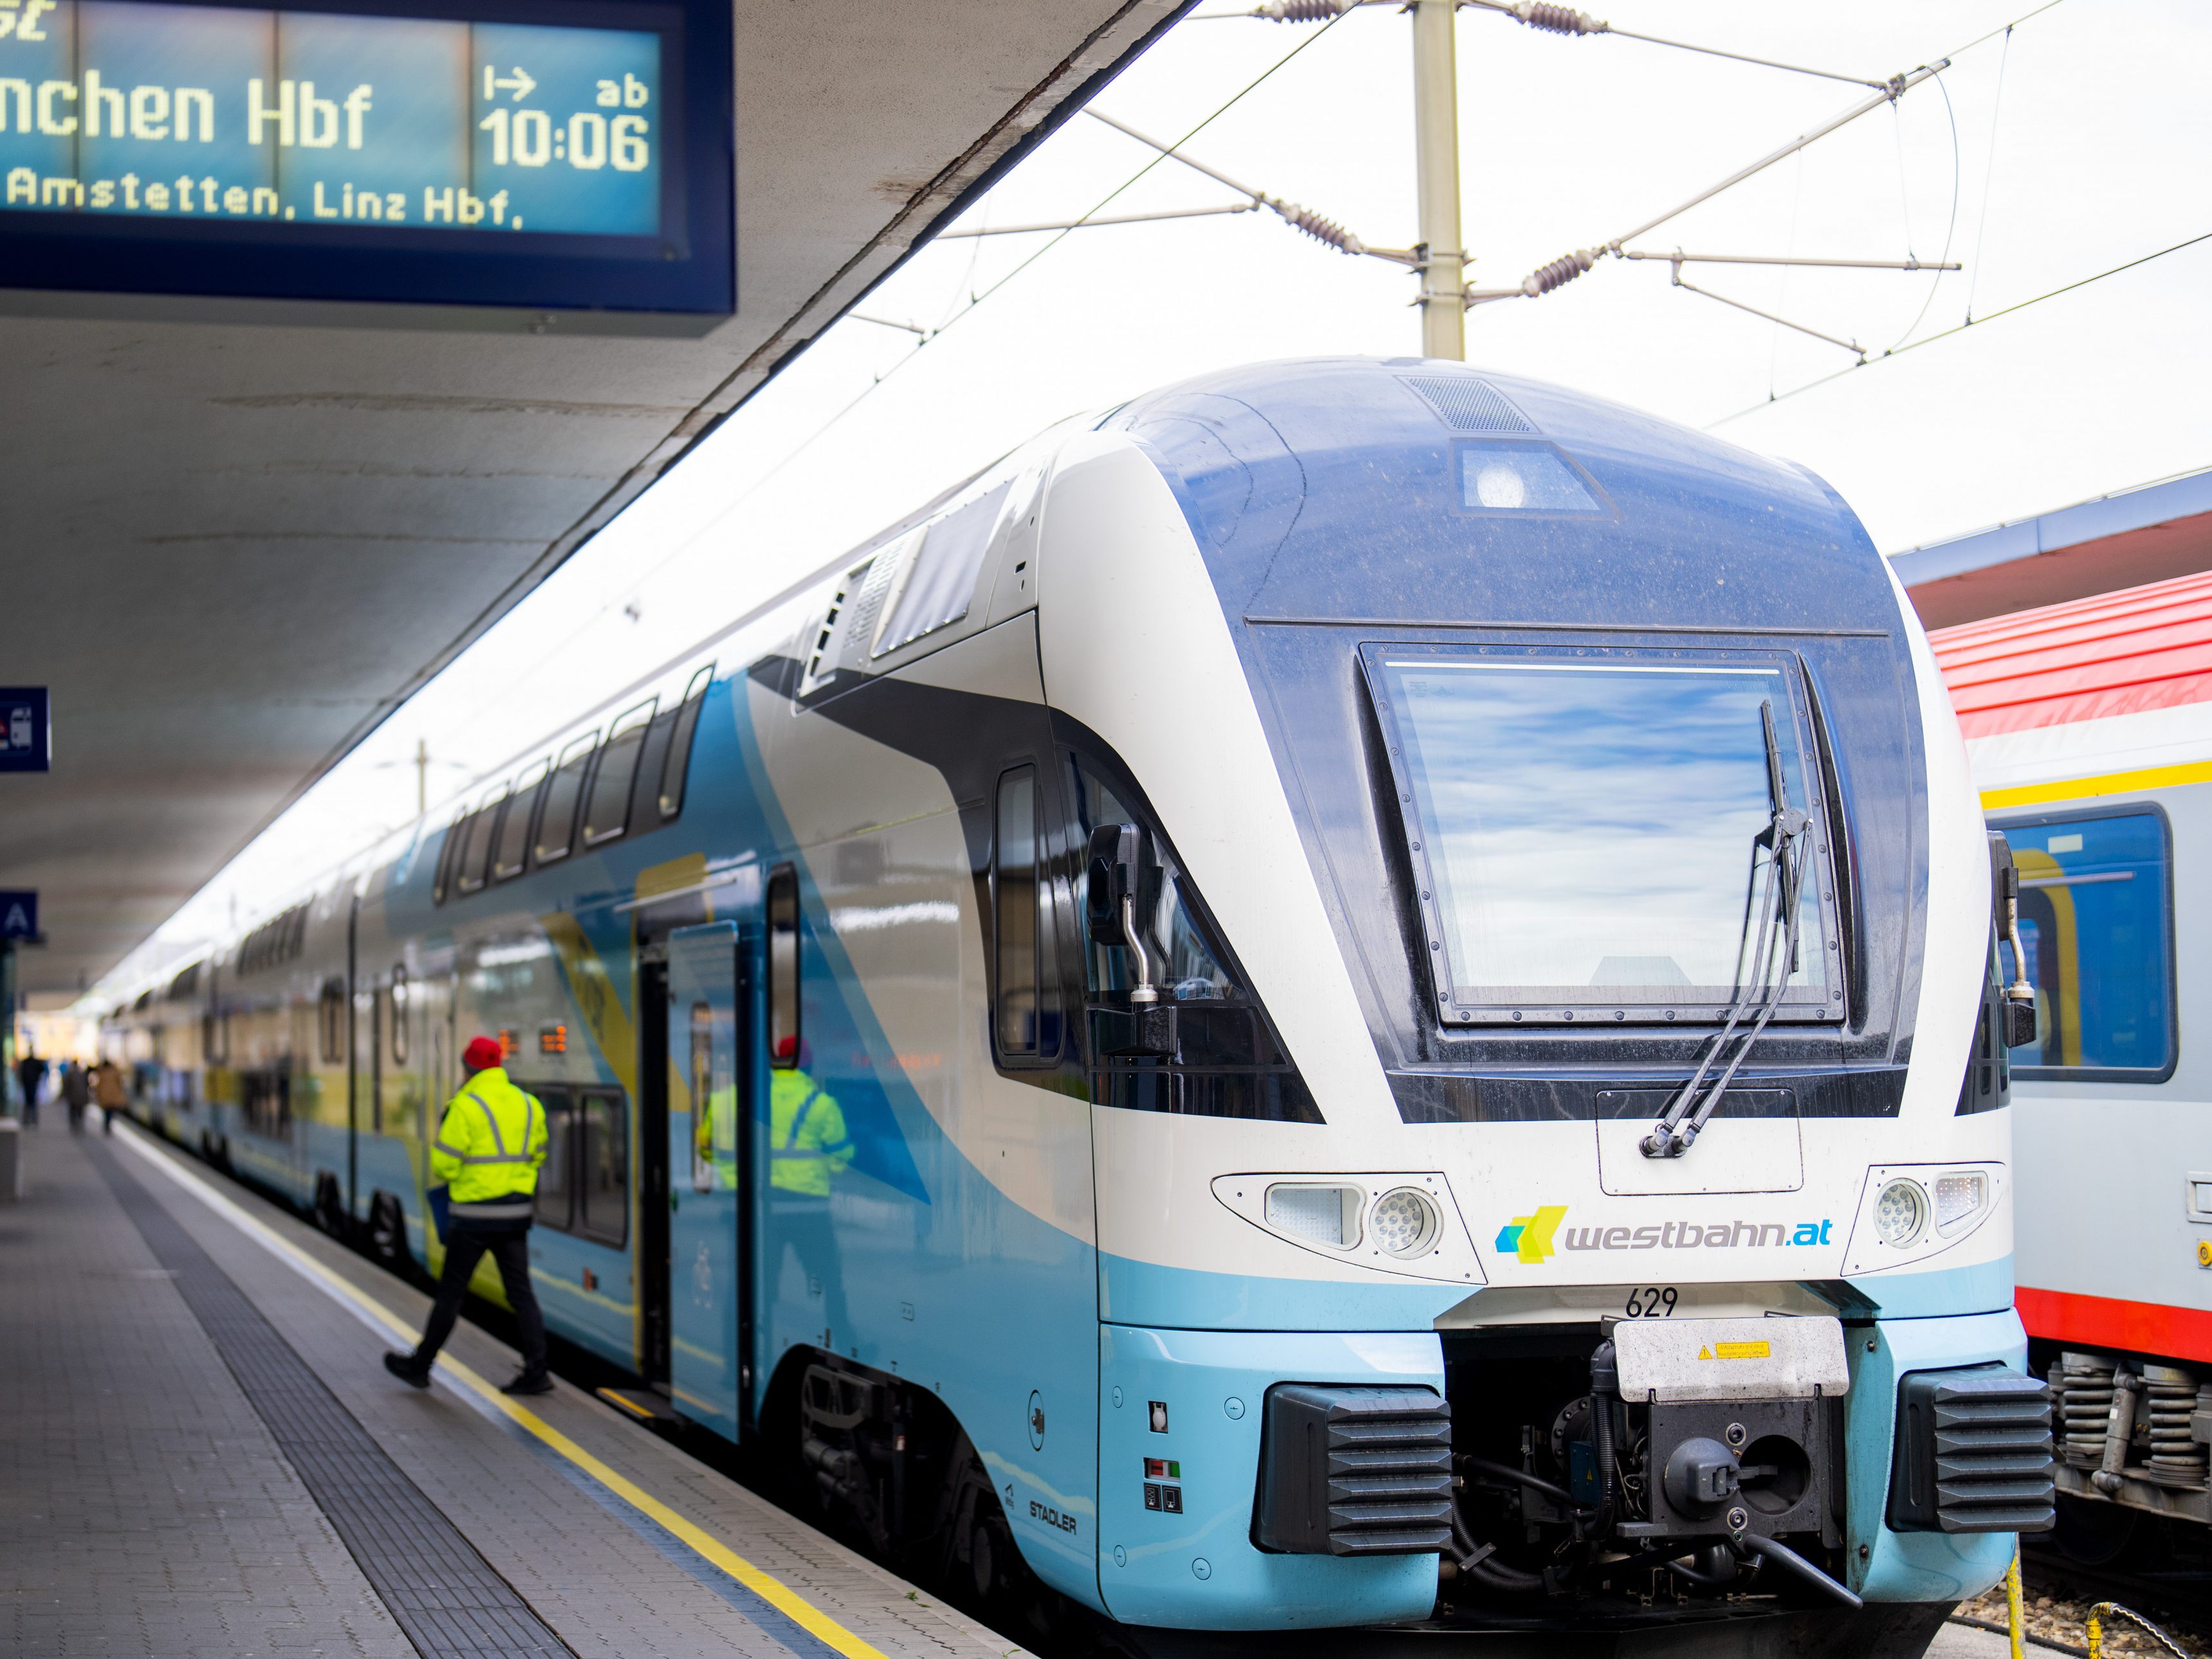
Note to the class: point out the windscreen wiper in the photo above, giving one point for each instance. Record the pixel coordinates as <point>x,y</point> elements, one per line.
<point>1779,907</point>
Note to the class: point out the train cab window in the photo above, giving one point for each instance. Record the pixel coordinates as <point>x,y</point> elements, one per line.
<point>783,909</point>
<point>2096,926</point>
<point>556,818</point>
<point>1228,1061</point>
<point>332,1022</point>
<point>556,1179</point>
<point>603,1165</point>
<point>606,815</point>
<point>1027,1017</point>
<point>475,844</point>
<point>510,851</point>
<point>1585,826</point>
<point>677,769</point>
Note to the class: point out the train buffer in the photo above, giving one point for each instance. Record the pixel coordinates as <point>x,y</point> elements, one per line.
<point>206,1457</point>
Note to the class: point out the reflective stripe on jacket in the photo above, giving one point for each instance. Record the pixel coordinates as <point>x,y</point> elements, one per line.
<point>807,1141</point>
<point>489,1147</point>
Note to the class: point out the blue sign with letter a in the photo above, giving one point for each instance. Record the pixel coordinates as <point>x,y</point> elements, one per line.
<point>26,744</point>
<point>19,915</point>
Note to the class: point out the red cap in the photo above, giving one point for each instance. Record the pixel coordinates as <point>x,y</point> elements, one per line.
<point>482,1053</point>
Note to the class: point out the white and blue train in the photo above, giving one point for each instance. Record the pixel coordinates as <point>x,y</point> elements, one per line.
<point>1360,993</point>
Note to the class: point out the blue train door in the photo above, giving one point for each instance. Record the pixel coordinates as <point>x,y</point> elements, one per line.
<point>708,1143</point>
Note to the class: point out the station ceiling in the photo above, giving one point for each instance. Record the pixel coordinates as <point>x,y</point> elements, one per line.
<point>231,547</point>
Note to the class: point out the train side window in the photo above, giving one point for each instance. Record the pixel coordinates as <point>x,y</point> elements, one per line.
<point>606,815</point>
<point>783,967</point>
<point>652,759</point>
<point>511,850</point>
<point>603,1166</point>
<point>1027,1013</point>
<point>398,1015</point>
<point>556,818</point>
<point>332,1022</point>
<point>476,843</point>
<point>449,854</point>
<point>676,770</point>
<point>556,1184</point>
<point>2096,924</point>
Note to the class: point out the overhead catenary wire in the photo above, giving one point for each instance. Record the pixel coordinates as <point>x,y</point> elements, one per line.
<point>1567,267</point>
<point>1961,328</point>
<point>1536,14</point>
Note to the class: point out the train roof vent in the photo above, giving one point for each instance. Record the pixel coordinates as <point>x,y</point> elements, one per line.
<point>937,582</point>
<point>1467,405</point>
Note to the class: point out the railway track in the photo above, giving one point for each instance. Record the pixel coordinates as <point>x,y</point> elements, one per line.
<point>2177,1594</point>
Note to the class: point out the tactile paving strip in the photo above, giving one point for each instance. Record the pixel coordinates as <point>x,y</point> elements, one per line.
<point>441,1592</point>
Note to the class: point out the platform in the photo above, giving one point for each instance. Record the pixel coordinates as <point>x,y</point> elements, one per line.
<point>201,1455</point>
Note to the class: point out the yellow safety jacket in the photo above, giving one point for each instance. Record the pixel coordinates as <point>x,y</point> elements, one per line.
<point>807,1141</point>
<point>489,1147</point>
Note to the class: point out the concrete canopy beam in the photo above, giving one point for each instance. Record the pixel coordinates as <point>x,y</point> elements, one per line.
<point>233,547</point>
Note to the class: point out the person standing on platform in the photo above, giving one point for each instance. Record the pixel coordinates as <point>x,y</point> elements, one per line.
<point>490,1145</point>
<point>76,1092</point>
<point>108,1093</point>
<point>31,1075</point>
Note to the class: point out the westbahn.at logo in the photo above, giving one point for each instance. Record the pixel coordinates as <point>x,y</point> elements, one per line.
<point>1537,1238</point>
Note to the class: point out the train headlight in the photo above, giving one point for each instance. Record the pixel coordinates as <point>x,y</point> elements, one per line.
<point>1405,1223</point>
<point>1900,1213</point>
<point>1319,1214</point>
<point>1960,1197</point>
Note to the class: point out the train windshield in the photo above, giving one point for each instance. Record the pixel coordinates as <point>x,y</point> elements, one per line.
<point>1591,828</point>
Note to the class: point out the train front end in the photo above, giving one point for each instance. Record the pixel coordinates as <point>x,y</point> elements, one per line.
<point>1550,1154</point>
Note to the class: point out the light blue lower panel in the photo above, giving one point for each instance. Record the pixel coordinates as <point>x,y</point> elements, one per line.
<point>1199,1568</point>
<point>1915,1566</point>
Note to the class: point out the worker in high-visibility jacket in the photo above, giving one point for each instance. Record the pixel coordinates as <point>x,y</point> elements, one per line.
<point>490,1145</point>
<point>808,1147</point>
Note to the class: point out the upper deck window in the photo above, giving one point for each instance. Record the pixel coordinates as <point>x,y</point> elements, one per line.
<point>2095,923</point>
<point>1591,829</point>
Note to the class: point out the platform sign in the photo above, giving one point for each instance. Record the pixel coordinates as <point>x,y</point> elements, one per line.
<point>18,913</point>
<point>25,732</point>
<point>578,157</point>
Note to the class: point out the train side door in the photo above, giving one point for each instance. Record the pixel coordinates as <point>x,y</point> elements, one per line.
<point>706,1142</point>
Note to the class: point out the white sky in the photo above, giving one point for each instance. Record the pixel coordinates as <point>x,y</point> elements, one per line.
<point>2099,151</point>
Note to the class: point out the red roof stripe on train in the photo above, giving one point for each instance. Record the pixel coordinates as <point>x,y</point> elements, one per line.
<point>2117,653</point>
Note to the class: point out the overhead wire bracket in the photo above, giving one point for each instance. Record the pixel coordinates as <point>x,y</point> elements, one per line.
<point>1321,229</point>
<point>1101,219</point>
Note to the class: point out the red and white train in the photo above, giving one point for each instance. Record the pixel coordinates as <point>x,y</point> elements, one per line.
<point>2089,728</point>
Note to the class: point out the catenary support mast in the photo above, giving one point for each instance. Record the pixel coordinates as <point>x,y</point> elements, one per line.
<point>1435,144</point>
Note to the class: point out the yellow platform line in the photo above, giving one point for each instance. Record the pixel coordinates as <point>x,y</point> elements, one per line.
<point>774,1591</point>
<point>2108,783</point>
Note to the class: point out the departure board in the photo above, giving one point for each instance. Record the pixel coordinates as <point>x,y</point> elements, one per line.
<point>313,129</point>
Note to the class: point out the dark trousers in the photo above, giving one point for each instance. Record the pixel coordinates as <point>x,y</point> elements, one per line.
<point>509,1247</point>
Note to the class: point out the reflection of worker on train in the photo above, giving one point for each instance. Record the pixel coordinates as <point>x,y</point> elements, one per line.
<point>808,1148</point>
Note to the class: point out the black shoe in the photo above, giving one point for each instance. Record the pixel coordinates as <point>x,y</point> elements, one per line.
<point>403,1366</point>
<point>529,1381</point>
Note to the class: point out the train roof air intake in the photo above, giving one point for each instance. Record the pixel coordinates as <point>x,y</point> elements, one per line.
<point>1467,405</point>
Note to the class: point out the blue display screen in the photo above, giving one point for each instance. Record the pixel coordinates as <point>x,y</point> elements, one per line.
<point>123,109</point>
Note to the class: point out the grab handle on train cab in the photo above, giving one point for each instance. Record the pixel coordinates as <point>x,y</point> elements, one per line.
<point>2004,891</point>
<point>1110,898</point>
